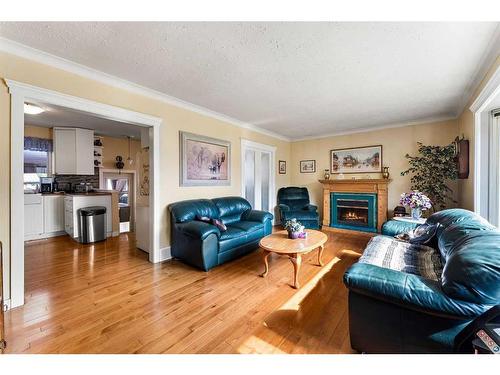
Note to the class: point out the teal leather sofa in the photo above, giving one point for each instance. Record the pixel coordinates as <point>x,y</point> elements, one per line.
<point>204,245</point>
<point>398,312</point>
<point>293,203</point>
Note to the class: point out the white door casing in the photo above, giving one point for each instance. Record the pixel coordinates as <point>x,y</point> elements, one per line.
<point>21,93</point>
<point>259,149</point>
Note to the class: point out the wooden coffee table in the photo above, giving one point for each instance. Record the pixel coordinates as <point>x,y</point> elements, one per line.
<point>280,244</point>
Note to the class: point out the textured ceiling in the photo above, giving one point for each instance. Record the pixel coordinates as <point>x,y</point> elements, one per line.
<point>295,79</point>
<point>64,117</point>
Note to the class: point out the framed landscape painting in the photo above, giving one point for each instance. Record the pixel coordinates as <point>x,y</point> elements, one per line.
<point>356,160</point>
<point>204,161</point>
<point>307,166</point>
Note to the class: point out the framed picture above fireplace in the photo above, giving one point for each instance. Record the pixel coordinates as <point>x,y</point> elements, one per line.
<point>367,159</point>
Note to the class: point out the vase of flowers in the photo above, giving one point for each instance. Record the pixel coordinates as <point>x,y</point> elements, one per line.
<point>294,229</point>
<point>417,202</point>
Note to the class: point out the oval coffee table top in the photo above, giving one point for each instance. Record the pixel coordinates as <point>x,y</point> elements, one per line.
<point>279,242</point>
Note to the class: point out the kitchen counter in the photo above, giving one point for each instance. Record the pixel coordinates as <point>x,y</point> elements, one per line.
<point>92,193</point>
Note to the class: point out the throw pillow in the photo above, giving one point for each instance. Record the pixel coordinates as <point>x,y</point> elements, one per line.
<point>219,224</point>
<point>423,234</point>
<point>205,219</point>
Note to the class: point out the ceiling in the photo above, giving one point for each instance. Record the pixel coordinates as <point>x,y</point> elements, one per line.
<point>64,117</point>
<point>294,79</point>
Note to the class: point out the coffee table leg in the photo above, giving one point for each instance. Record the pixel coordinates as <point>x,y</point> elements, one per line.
<point>320,254</point>
<point>296,260</point>
<point>266,264</point>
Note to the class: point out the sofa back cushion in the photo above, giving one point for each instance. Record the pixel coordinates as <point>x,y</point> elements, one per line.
<point>452,216</point>
<point>451,237</point>
<point>472,269</point>
<point>294,197</point>
<point>231,208</point>
<point>188,210</point>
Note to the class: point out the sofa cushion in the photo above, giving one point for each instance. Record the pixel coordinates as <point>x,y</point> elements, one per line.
<point>231,208</point>
<point>188,210</point>
<point>247,226</point>
<point>472,270</point>
<point>387,252</point>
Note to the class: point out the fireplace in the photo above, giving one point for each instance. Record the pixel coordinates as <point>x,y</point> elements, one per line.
<point>354,211</point>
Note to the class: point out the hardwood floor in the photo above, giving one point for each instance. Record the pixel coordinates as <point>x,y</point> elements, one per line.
<point>107,298</point>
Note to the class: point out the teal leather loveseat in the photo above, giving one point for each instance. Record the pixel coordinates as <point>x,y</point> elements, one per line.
<point>422,308</point>
<point>204,245</point>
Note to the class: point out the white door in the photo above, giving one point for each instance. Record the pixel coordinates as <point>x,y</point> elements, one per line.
<point>258,175</point>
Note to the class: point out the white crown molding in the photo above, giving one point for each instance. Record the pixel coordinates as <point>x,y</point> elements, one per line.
<point>491,54</point>
<point>375,128</point>
<point>81,104</point>
<point>21,50</point>
<point>487,94</point>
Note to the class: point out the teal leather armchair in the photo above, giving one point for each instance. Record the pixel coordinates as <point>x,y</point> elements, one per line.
<point>397,312</point>
<point>293,203</point>
<point>204,245</point>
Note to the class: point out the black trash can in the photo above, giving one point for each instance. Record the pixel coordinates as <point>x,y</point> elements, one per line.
<point>92,224</point>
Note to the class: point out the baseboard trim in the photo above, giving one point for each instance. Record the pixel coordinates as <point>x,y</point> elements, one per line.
<point>165,254</point>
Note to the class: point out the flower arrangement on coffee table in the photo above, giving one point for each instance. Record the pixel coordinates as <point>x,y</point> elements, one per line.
<point>417,201</point>
<point>295,229</point>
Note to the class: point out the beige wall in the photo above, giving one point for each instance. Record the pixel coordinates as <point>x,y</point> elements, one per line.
<point>466,127</point>
<point>174,119</point>
<point>396,143</point>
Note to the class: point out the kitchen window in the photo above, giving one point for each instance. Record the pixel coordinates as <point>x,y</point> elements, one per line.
<point>37,162</point>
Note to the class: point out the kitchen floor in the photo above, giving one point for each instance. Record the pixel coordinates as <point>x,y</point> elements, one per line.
<point>107,298</point>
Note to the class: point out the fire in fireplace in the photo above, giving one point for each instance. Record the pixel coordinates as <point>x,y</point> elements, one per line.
<point>354,211</point>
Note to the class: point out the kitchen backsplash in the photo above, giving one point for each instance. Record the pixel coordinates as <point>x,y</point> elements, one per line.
<point>77,179</point>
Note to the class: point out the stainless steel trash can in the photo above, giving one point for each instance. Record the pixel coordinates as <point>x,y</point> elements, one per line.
<point>92,224</point>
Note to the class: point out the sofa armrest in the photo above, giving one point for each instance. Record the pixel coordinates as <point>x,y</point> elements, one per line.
<point>283,207</point>
<point>197,229</point>
<point>392,228</point>
<point>408,291</point>
<point>256,215</point>
<point>310,207</point>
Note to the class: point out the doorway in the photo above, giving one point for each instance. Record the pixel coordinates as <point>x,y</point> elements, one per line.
<point>258,174</point>
<point>124,182</point>
<point>21,93</point>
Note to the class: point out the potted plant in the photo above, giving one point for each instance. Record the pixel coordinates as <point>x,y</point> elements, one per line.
<point>294,228</point>
<point>431,171</point>
<point>417,201</point>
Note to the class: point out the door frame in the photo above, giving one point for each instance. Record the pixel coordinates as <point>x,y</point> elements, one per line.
<point>133,174</point>
<point>19,94</point>
<point>247,144</point>
<point>487,151</point>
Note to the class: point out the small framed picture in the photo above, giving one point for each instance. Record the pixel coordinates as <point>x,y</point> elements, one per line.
<point>307,166</point>
<point>282,167</point>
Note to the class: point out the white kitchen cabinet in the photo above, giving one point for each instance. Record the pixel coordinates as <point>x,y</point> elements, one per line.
<point>53,214</point>
<point>33,216</point>
<point>73,151</point>
<point>43,216</point>
<point>72,203</point>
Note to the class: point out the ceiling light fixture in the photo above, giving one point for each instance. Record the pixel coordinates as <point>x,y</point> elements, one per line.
<point>32,109</point>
